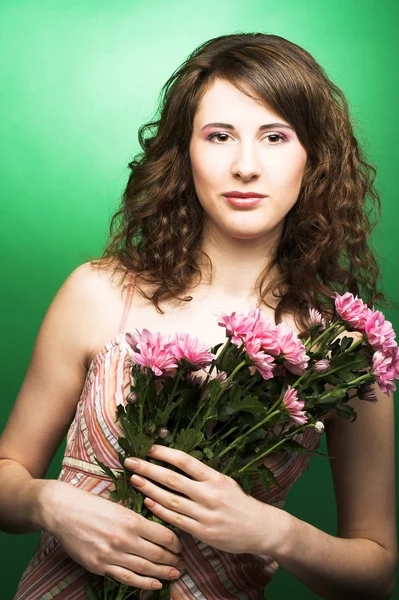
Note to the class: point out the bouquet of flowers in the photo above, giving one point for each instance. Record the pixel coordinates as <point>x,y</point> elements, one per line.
<point>265,380</point>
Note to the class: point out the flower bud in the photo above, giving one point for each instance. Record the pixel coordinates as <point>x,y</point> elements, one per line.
<point>222,376</point>
<point>319,426</point>
<point>131,398</point>
<point>163,432</point>
<point>321,366</point>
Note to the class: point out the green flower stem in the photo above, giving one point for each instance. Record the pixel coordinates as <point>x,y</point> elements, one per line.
<point>349,385</point>
<point>211,406</point>
<point>307,341</point>
<point>175,429</point>
<point>121,592</point>
<point>224,351</point>
<point>362,378</point>
<point>270,450</point>
<point>172,393</point>
<point>200,405</point>
<point>226,468</point>
<point>333,326</point>
<point>333,371</point>
<point>276,412</point>
<point>218,358</point>
<point>298,381</point>
<point>219,432</point>
<point>309,372</point>
<point>228,433</point>
<point>141,407</point>
<point>220,392</point>
<point>251,383</point>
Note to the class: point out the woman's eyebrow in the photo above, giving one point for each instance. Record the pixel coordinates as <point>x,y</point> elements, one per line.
<point>261,128</point>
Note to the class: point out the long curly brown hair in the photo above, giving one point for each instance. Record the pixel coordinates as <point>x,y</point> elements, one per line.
<point>323,248</point>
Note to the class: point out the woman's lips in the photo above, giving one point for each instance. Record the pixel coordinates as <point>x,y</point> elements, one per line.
<point>243,202</point>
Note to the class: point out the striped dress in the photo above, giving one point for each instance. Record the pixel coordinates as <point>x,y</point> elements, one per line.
<point>210,574</point>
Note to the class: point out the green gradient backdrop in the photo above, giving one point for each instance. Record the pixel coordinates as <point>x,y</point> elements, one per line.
<point>78,79</point>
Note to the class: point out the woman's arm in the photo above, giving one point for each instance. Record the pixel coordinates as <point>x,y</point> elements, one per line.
<point>360,563</point>
<point>46,403</point>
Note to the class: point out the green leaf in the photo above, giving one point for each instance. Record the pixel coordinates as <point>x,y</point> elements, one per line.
<point>264,481</point>
<point>188,439</point>
<point>208,452</point>
<point>142,445</point>
<point>197,454</point>
<point>214,349</point>
<point>91,592</point>
<point>247,482</point>
<point>264,471</point>
<point>248,404</point>
<point>258,434</point>
<point>106,469</point>
<point>214,463</point>
<point>346,342</point>
<point>335,393</point>
<point>129,430</point>
<point>111,584</point>
<point>346,411</point>
<point>345,376</point>
<point>125,445</point>
<point>114,496</point>
<point>294,446</point>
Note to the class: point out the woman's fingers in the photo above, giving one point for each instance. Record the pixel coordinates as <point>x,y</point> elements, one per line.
<point>175,502</point>
<point>142,566</point>
<point>158,534</point>
<point>128,577</point>
<point>167,477</point>
<point>159,555</point>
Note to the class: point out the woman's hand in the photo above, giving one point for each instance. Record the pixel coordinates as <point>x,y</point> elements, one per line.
<point>108,539</point>
<point>214,508</point>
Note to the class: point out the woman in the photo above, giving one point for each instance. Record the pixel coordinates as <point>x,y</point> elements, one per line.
<point>245,114</point>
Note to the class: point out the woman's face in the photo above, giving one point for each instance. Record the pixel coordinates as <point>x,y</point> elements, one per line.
<point>270,161</point>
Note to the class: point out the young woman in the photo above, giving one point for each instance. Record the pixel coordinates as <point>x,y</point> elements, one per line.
<point>245,114</point>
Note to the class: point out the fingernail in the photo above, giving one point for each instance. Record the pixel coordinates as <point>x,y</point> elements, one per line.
<point>174,573</point>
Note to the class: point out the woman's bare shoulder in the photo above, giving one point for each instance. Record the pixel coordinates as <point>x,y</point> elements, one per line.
<point>101,290</point>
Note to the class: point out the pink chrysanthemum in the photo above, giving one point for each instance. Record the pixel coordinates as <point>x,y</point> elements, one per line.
<point>317,319</point>
<point>291,347</point>
<point>351,309</point>
<point>264,363</point>
<point>238,326</point>
<point>152,351</point>
<point>379,332</point>
<point>294,406</point>
<point>191,349</point>
<point>386,368</point>
<point>366,392</point>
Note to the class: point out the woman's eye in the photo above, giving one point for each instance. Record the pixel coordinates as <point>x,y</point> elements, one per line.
<point>269,136</point>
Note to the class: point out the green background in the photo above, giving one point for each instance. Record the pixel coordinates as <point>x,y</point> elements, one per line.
<point>78,78</point>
